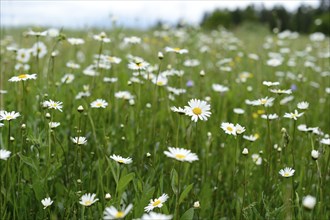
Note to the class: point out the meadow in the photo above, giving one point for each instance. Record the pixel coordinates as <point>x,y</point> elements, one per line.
<point>168,123</point>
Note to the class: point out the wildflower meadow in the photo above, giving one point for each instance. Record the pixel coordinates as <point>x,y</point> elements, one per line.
<point>166,123</point>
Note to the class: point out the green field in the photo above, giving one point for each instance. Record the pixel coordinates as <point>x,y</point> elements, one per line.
<point>227,70</point>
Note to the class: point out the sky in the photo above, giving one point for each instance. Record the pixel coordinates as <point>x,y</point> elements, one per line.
<point>136,14</point>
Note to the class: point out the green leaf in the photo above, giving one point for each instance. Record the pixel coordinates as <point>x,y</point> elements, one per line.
<point>124,181</point>
<point>188,215</point>
<point>174,180</point>
<point>30,162</point>
<point>185,192</point>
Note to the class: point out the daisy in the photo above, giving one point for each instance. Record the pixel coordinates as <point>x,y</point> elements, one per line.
<point>251,138</point>
<point>124,95</point>
<point>112,213</point>
<point>67,78</point>
<point>281,91</point>
<point>102,37</point>
<point>53,125</point>
<point>239,129</point>
<point>53,105</point>
<point>138,65</point>
<point>257,159</point>
<point>99,103</point>
<point>219,88</point>
<point>325,141</point>
<point>303,105</point>
<point>263,101</point>
<point>315,154</point>
<point>160,80</point>
<point>22,77</point>
<point>238,111</point>
<point>132,40</point>
<point>270,116</point>
<point>155,216</point>
<point>46,202</point>
<point>294,115</point>
<point>178,110</point>
<point>4,115</point>
<point>88,199</point>
<point>156,203</point>
<point>309,202</point>
<point>23,55</point>
<point>181,154</point>
<point>39,49</point>
<point>229,128</point>
<point>198,109</point>
<point>79,140</point>
<point>121,160</point>
<point>267,83</point>
<point>113,59</point>
<point>287,172</point>
<point>4,154</point>
<point>72,65</point>
<point>110,80</point>
<point>76,41</point>
<point>176,50</point>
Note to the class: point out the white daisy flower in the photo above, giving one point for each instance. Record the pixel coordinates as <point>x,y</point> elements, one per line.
<point>4,115</point>
<point>257,159</point>
<point>155,216</point>
<point>124,95</point>
<point>22,77</point>
<point>53,125</point>
<point>176,50</point>
<point>315,154</point>
<point>99,103</point>
<point>239,129</point>
<point>303,105</point>
<point>46,202</point>
<point>39,49</point>
<point>198,109</point>
<point>325,141</point>
<point>156,203</point>
<point>239,111</point>
<point>4,154</point>
<point>219,88</point>
<point>287,172</point>
<point>309,202</point>
<point>138,65</point>
<point>270,116</point>
<point>263,101</point>
<point>121,159</point>
<point>294,115</point>
<point>76,41</point>
<point>112,213</point>
<point>88,199</point>
<point>251,138</point>
<point>229,128</point>
<point>181,154</point>
<point>102,37</point>
<point>281,91</point>
<point>79,140</point>
<point>67,78</point>
<point>268,83</point>
<point>53,105</point>
<point>178,110</point>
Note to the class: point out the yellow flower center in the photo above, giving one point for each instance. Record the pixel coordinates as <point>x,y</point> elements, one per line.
<point>263,101</point>
<point>120,161</point>
<point>88,203</point>
<point>286,174</point>
<point>197,111</point>
<point>180,156</point>
<point>160,83</point>
<point>157,202</point>
<point>229,128</point>
<point>99,104</point>
<point>119,214</point>
<point>22,76</point>
<point>139,64</point>
<point>9,117</point>
<point>177,49</point>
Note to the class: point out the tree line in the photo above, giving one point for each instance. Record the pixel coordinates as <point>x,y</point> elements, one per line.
<point>305,19</point>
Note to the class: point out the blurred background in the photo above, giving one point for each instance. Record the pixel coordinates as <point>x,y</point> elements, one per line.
<point>295,15</point>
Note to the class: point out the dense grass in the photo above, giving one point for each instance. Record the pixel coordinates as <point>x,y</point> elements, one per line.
<point>45,162</point>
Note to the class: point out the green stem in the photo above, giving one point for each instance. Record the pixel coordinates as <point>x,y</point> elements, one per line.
<point>177,208</point>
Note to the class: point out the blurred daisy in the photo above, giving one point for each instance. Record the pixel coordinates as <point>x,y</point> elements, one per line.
<point>257,159</point>
<point>102,37</point>
<point>270,116</point>
<point>309,202</point>
<point>46,202</point>
<point>88,199</point>
<point>219,88</point>
<point>132,40</point>
<point>267,83</point>
<point>76,41</point>
<point>36,33</point>
<point>4,115</point>
<point>303,105</point>
<point>294,115</point>
<point>1,125</point>
<point>138,65</point>
<point>238,111</point>
<point>286,100</point>
<point>156,203</point>
<point>110,80</point>
<point>39,49</point>
<point>251,138</point>
<point>99,103</point>
<point>67,78</point>
<point>287,172</point>
<point>155,216</point>
<point>113,59</point>
<point>181,154</point>
<point>72,65</point>
<point>263,101</point>
<point>239,129</point>
<point>281,91</point>
<point>160,80</point>
<point>325,141</point>
<point>315,154</point>
<point>79,140</point>
<point>53,105</point>
<point>229,128</point>
<point>121,159</point>
<point>274,62</point>
<point>176,50</point>
<point>4,154</point>
<point>198,109</point>
<point>22,77</point>
<point>112,213</point>
<point>53,125</point>
<point>23,55</point>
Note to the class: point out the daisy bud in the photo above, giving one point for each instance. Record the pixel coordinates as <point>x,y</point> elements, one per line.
<point>279,149</point>
<point>78,180</point>
<point>202,73</point>
<point>80,108</point>
<point>148,154</point>
<point>23,126</point>
<point>47,115</point>
<point>131,102</point>
<point>309,202</point>
<point>283,130</point>
<point>129,83</point>
<point>160,55</point>
<point>122,125</point>
<point>107,196</point>
<point>12,139</point>
<point>196,205</point>
<point>245,151</point>
<point>315,154</point>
